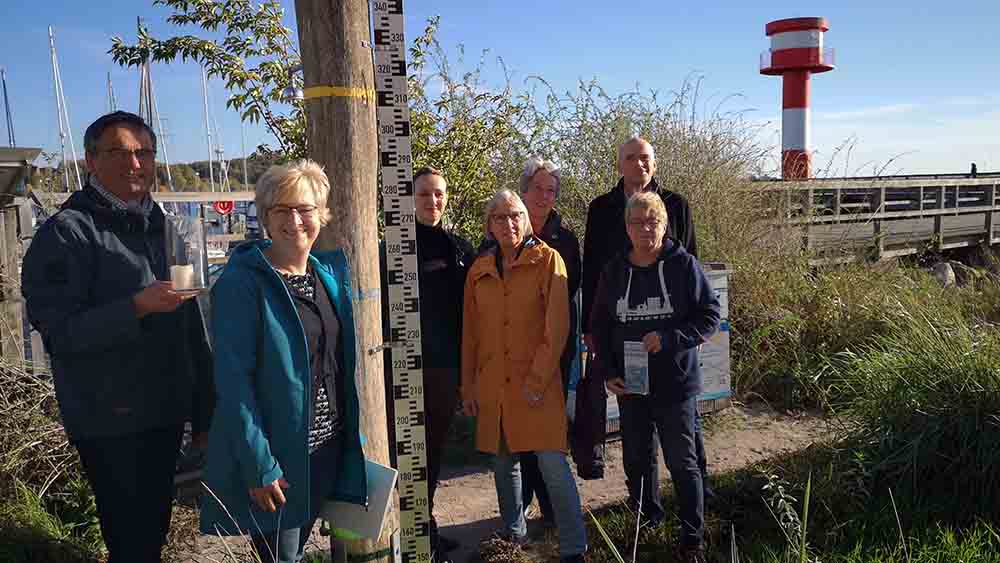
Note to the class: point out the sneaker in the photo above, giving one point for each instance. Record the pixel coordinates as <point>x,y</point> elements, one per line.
<point>573,559</point>
<point>511,538</point>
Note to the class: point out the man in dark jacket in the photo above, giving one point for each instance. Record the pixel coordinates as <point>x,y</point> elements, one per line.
<point>606,237</point>
<point>539,186</point>
<point>443,259</point>
<point>129,354</point>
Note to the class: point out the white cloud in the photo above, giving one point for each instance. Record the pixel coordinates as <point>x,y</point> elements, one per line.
<point>867,112</point>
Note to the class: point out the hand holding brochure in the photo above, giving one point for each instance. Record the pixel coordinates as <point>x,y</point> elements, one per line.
<point>353,522</point>
<point>636,368</point>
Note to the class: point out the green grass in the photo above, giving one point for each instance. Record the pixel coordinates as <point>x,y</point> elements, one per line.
<point>915,475</point>
<point>788,324</point>
<point>847,522</point>
<point>32,531</point>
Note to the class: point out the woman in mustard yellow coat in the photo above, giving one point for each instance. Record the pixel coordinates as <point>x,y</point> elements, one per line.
<point>514,330</point>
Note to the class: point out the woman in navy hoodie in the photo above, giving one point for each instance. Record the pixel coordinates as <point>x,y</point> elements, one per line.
<point>653,308</point>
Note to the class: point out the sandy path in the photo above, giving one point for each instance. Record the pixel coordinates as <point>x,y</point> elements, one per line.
<point>466,498</point>
<point>734,438</point>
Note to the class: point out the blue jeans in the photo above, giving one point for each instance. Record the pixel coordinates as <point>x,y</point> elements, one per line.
<point>288,546</point>
<point>562,490</point>
<point>675,425</point>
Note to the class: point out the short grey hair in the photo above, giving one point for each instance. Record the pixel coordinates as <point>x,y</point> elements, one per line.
<point>515,202</point>
<point>635,139</point>
<point>532,166</point>
<point>284,181</point>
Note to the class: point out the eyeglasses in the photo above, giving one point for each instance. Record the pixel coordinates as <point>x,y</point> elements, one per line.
<point>143,155</point>
<point>504,217</point>
<point>645,223</point>
<point>306,212</point>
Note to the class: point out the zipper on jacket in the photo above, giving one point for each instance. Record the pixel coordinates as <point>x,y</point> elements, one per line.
<point>305,344</point>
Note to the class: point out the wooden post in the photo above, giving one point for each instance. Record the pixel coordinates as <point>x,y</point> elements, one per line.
<point>807,214</point>
<point>991,191</point>
<point>11,321</point>
<point>334,39</point>
<point>878,234</point>
<point>939,221</point>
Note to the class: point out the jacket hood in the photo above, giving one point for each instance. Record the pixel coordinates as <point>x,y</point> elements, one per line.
<point>531,251</point>
<point>250,254</point>
<point>89,201</point>
<point>672,250</point>
<point>552,226</point>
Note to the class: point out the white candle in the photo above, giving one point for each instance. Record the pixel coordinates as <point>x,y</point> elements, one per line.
<point>183,276</point>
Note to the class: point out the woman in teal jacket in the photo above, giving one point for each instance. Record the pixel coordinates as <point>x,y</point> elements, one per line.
<point>284,437</point>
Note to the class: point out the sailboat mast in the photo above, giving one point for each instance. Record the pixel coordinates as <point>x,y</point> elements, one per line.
<point>55,86</point>
<point>159,125</point>
<point>208,128</point>
<point>6,105</point>
<point>148,110</point>
<point>112,101</point>
<point>220,153</point>
<point>243,142</point>
<point>64,123</point>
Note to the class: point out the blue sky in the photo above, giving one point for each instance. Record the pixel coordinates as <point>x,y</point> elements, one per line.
<point>917,83</point>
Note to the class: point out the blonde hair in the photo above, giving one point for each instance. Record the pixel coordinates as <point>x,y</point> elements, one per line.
<point>282,182</point>
<point>647,201</point>
<point>515,202</point>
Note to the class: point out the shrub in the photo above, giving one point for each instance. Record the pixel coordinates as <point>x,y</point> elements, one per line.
<point>926,397</point>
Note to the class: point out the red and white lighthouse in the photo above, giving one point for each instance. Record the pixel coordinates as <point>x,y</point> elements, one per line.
<point>796,52</point>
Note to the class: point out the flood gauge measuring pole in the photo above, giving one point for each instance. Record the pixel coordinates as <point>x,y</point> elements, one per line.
<point>396,164</point>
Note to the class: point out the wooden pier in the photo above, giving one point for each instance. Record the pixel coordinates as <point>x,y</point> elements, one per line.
<point>892,216</point>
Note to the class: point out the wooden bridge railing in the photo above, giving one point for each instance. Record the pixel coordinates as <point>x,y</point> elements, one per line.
<point>895,216</point>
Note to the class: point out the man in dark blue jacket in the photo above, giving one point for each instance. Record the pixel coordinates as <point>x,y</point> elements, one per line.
<point>129,354</point>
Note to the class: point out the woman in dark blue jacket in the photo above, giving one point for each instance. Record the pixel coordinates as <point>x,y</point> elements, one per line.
<point>653,308</point>
<point>285,435</point>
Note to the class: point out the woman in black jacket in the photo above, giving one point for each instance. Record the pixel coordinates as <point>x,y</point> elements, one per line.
<point>539,187</point>
<point>443,259</point>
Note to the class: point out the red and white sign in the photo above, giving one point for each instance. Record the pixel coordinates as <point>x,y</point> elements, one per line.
<point>223,207</point>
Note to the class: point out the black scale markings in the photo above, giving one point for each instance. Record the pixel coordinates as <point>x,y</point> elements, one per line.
<point>395,161</point>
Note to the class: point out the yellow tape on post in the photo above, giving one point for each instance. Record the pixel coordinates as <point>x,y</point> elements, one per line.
<point>367,94</point>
